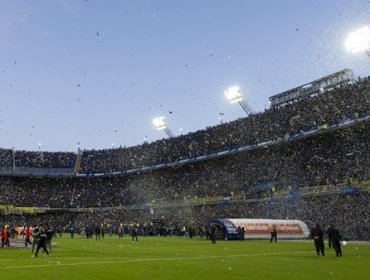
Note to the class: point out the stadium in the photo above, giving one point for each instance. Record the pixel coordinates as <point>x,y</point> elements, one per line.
<point>277,193</point>
<point>310,164</point>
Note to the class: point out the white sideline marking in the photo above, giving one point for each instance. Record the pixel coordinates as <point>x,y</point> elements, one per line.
<point>57,263</point>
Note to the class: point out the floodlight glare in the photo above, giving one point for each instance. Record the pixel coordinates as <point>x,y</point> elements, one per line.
<point>159,123</point>
<point>233,95</point>
<point>358,40</point>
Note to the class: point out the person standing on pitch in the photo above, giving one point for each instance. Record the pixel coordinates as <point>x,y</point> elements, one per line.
<point>212,233</point>
<point>7,236</point>
<point>27,235</point>
<point>335,240</point>
<point>49,236</point>
<point>35,237</point>
<point>329,231</point>
<point>317,235</point>
<point>42,241</point>
<point>134,233</point>
<point>3,236</point>
<point>97,232</point>
<point>273,232</point>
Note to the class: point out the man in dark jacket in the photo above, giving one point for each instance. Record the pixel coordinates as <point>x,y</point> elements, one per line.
<point>212,233</point>
<point>42,240</point>
<point>329,232</point>
<point>134,232</point>
<point>49,236</point>
<point>335,239</point>
<point>317,234</point>
<point>97,232</point>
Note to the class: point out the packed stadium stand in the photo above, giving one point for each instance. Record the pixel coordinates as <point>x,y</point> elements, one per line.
<point>307,160</point>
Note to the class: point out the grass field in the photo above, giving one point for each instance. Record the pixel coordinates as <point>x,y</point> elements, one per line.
<point>182,258</point>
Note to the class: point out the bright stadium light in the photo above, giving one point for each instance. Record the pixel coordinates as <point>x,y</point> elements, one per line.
<point>160,124</point>
<point>359,41</point>
<point>233,95</point>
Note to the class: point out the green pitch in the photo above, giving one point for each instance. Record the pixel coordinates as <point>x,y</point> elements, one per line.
<point>182,258</point>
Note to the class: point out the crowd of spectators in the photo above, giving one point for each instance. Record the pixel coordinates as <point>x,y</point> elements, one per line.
<point>11,157</point>
<point>326,158</point>
<point>329,108</point>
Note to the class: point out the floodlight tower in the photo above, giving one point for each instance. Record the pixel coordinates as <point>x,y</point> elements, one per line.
<point>359,40</point>
<point>234,95</point>
<point>160,124</point>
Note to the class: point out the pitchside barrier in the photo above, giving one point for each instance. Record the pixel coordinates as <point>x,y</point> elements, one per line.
<point>17,243</point>
<point>260,228</point>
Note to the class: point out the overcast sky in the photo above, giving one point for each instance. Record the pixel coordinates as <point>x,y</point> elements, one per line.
<point>97,72</point>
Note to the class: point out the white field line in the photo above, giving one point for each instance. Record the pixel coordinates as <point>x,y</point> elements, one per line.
<point>57,263</point>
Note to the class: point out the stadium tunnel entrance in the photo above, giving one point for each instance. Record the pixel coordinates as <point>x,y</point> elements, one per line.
<point>225,229</point>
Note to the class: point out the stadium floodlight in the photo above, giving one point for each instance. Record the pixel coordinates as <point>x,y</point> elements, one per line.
<point>160,124</point>
<point>359,40</point>
<point>78,148</point>
<point>233,95</point>
<point>221,115</point>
